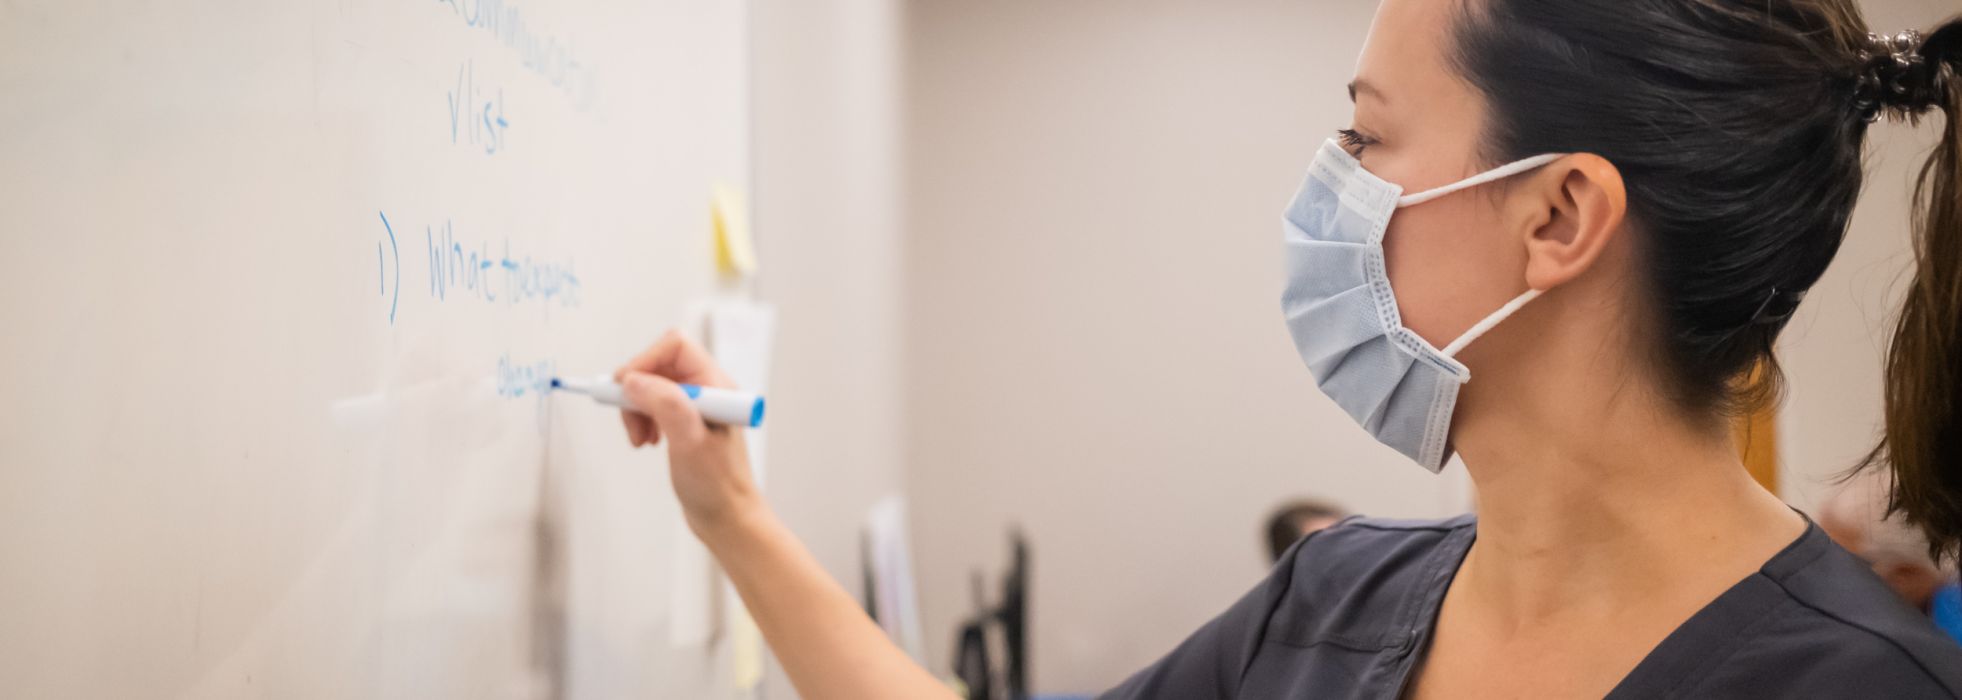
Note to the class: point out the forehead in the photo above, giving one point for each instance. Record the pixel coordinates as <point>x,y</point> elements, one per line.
<point>1404,56</point>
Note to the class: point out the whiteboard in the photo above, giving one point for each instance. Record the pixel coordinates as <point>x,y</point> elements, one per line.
<point>282,281</point>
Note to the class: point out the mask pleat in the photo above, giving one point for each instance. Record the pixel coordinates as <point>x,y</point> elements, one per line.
<point>1340,309</point>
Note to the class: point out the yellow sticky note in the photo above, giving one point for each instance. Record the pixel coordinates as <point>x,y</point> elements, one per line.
<point>735,255</point>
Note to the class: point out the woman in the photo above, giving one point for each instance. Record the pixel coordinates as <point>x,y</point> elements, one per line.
<point>1620,202</point>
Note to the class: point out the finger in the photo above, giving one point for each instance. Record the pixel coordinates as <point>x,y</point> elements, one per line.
<point>673,414</point>
<point>636,428</point>
<point>653,431</point>
<point>640,429</point>
<point>663,357</point>
<point>678,358</point>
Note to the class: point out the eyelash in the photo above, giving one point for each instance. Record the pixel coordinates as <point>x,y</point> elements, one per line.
<point>1355,141</point>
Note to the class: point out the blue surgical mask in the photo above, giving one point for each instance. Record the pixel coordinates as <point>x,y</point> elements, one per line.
<point>1343,314</point>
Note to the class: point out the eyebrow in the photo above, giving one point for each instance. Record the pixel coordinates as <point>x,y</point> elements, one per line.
<point>1363,87</point>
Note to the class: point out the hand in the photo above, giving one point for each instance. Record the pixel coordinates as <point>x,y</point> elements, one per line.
<point>822,636</point>
<point>708,464</point>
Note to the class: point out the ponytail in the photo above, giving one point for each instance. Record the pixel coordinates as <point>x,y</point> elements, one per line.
<point>1922,441</point>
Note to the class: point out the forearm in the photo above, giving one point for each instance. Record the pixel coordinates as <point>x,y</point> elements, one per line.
<point>826,643</point>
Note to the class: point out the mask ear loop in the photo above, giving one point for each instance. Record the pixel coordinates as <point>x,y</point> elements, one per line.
<point>1490,322</point>
<point>1494,175</point>
<point>1500,173</point>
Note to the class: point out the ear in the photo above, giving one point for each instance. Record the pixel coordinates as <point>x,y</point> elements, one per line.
<point>1572,210</point>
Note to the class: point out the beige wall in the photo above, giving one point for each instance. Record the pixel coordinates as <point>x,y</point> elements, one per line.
<point>827,220</point>
<point>1094,344</point>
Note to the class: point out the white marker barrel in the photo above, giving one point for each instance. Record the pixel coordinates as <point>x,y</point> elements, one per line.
<point>721,406</point>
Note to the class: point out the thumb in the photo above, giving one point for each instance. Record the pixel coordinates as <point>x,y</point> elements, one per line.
<point>667,404</point>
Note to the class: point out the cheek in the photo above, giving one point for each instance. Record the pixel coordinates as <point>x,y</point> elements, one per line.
<point>1445,267</point>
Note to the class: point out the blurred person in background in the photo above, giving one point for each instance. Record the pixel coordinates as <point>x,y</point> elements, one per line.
<point>1297,519</point>
<point>1855,516</point>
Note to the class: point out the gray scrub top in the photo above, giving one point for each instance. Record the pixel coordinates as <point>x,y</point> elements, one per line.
<point>1348,610</point>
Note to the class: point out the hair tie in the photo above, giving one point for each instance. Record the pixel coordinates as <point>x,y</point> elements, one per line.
<point>1895,78</point>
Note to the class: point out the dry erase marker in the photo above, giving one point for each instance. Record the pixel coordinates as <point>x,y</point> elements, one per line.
<point>724,406</point>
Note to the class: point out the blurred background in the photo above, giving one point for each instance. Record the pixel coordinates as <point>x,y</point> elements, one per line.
<point>1022,259</point>
<point>1084,212</point>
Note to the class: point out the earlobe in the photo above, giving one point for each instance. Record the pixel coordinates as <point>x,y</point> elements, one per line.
<point>1581,204</point>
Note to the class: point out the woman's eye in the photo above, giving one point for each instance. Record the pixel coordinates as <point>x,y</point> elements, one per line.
<point>1354,141</point>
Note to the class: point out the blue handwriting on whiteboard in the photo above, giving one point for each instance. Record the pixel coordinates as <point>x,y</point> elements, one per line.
<point>476,118</point>
<point>476,271</point>
<point>516,381</point>
<point>549,56</point>
<point>381,262</point>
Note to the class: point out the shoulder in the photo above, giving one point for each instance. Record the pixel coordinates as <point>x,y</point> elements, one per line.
<point>1347,586</point>
<point>1835,630</point>
<point>1360,547</point>
<point>1354,583</point>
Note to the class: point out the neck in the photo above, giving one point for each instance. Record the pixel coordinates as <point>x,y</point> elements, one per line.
<point>1626,500</point>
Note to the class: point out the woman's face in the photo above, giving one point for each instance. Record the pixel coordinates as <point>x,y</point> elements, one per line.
<point>1417,124</point>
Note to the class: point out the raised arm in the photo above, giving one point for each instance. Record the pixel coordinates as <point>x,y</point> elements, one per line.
<point>826,643</point>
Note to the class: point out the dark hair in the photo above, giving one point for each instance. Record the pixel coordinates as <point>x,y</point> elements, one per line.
<point>1739,127</point>
<point>1284,526</point>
